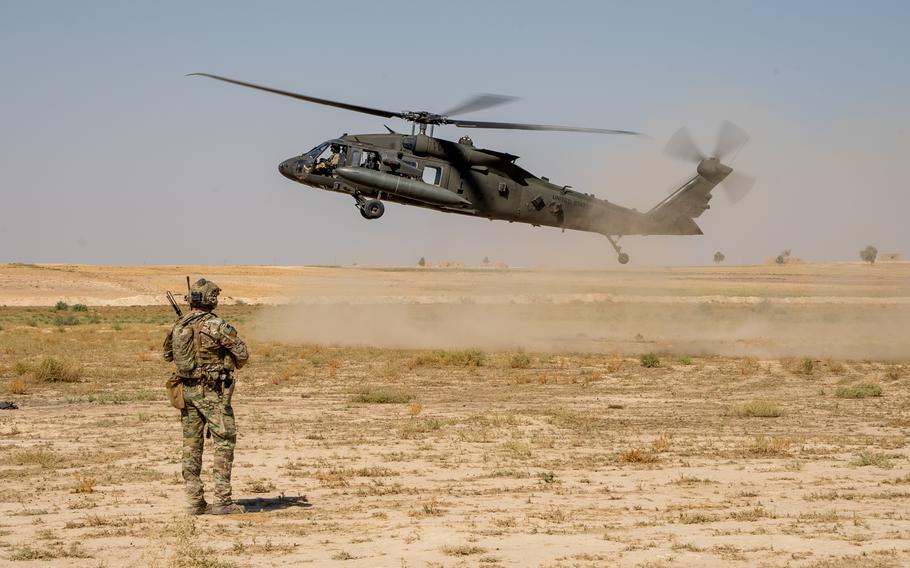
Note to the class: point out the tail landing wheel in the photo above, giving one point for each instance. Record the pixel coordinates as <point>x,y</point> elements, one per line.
<point>622,257</point>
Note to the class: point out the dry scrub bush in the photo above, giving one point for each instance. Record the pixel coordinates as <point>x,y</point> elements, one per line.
<point>520,360</point>
<point>49,552</point>
<point>84,484</point>
<point>661,443</point>
<point>37,456</point>
<point>799,366</point>
<point>415,408</point>
<point>260,486</point>
<point>637,455</point>
<point>382,394</point>
<point>748,366</point>
<point>755,409</point>
<point>464,358</point>
<point>17,386</point>
<point>615,363</point>
<point>21,368</point>
<point>894,372</point>
<point>416,426</point>
<point>696,518</point>
<point>876,459</point>
<point>763,446</point>
<point>859,390</point>
<point>462,550</point>
<point>52,370</point>
<point>186,551</point>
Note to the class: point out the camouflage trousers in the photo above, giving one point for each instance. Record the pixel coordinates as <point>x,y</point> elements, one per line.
<point>205,406</point>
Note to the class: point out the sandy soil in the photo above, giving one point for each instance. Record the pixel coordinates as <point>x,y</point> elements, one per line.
<point>359,448</point>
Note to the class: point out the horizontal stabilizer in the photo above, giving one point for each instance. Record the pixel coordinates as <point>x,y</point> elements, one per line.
<point>675,215</point>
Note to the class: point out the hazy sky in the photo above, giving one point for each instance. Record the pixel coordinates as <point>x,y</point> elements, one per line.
<point>108,154</point>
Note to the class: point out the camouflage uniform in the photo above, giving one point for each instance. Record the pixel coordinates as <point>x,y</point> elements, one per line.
<point>214,350</point>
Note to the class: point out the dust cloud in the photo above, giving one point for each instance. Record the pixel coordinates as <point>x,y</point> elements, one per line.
<point>684,312</point>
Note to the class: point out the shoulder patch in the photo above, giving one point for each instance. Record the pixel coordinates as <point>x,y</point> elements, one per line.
<point>228,329</point>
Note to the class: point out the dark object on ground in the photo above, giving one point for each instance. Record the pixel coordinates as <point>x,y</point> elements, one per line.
<point>7,405</point>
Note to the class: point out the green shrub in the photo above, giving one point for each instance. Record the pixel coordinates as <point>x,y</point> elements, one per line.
<point>80,308</point>
<point>520,360</point>
<point>860,390</point>
<point>466,358</point>
<point>66,319</point>
<point>649,360</point>
<point>53,370</point>
<point>685,360</point>
<point>61,306</point>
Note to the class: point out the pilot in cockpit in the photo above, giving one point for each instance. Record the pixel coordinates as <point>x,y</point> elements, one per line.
<point>325,167</point>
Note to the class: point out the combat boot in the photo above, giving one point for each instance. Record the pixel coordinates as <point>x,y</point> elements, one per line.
<point>227,509</point>
<point>200,508</point>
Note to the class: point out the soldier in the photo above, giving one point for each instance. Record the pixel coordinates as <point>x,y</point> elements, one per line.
<point>206,349</point>
<point>325,167</point>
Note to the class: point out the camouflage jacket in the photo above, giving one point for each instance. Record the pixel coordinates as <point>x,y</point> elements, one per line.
<point>214,345</point>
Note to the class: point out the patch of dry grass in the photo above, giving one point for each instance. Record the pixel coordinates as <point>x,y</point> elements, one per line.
<point>875,459</point>
<point>520,360</point>
<point>53,370</point>
<point>769,447</point>
<point>803,366</point>
<point>661,444</point>
<point>84,484</point>
<point>748,366</point>
<point>637,455</point>
<point>17,386</point>
<point>187,552</point>
<point>50,551</point>
<point>859,390</point>
<point>41,457</point>
<point>382,394</point>
<point>463,550</point>
<point>755,409</point>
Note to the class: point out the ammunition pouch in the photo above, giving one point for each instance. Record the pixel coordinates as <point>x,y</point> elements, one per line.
<point>174,388</point>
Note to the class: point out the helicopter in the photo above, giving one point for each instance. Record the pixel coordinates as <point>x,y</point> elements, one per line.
<point>456,177</point>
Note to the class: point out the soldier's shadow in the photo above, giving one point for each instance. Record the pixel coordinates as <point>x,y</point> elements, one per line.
<point>265,504</point>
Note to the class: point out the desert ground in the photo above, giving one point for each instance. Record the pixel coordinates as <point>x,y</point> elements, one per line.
<point>709,416</point>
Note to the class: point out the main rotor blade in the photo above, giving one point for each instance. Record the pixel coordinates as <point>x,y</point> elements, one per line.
<point>729,139</point>
<point>479,102</point>
<point>737,185</point>
<point>327,102</point>
<point>682,146</point>
<point>547,127</point>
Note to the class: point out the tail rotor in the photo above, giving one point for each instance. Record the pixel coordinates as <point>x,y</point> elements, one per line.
<point>730,139</point>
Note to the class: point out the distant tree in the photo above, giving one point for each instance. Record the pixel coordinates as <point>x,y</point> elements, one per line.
<point>486,260</point>
<point>422,262</point>
<point>869,254</point>
<point>782,257</point>
<point>719,257</point>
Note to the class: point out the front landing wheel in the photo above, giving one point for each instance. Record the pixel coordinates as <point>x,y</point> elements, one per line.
<point>372,209</point>
<point>623,258</point>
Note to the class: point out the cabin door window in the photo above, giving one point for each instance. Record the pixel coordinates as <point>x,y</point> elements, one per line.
<point>432,175</point>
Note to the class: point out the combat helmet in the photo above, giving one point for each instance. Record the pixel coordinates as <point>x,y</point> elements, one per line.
<point>203,294</point>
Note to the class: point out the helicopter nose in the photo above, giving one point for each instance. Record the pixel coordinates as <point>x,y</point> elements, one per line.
<point>286,168</point>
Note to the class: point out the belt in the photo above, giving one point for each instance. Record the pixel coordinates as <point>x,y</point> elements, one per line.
<point>209,381</point>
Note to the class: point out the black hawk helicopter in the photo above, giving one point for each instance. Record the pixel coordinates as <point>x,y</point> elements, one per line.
<point>418,169</point>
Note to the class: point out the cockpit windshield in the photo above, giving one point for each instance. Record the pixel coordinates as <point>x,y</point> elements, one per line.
<point>318,151</point>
